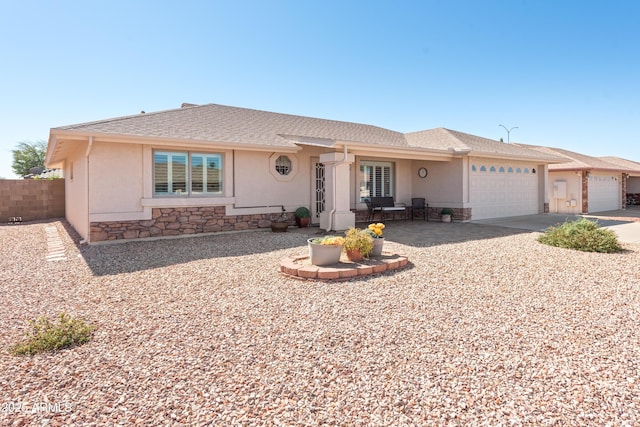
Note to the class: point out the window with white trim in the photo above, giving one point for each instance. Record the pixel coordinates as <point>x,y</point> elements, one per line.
<point>185,173</point>
<point>376,179</point>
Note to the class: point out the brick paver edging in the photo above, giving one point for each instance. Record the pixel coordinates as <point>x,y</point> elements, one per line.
<point>298,267</point>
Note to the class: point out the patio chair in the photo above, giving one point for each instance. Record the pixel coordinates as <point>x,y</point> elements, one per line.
<point>419,204</point>
<point>370,208</point>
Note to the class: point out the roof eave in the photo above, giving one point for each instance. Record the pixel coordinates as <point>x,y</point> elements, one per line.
<point>162,141</point>
<point>545,160</point>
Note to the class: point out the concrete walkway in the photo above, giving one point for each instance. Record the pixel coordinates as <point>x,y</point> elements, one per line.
<point>626,223</point>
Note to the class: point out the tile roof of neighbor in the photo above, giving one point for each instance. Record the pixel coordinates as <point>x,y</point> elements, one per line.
<point>629,165</point>
<point>575,160</point>
<point>225,124</point>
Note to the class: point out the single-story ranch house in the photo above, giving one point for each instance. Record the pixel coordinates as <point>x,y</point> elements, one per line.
<point>584,184</point>
<point>210,168</point>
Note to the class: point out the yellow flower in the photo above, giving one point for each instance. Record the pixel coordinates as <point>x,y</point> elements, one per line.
<point>376,228</point>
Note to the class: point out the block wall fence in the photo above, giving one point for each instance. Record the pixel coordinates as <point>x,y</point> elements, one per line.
<point>31,199</point>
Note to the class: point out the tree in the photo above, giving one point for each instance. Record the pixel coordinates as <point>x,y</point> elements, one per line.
<point>28,155</point>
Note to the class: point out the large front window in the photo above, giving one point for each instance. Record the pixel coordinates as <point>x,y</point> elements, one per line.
<point>184,173</point>
<point>376,179</point>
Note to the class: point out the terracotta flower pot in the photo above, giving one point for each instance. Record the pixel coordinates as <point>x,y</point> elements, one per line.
<point>354,255</point>
<point>303,222</point>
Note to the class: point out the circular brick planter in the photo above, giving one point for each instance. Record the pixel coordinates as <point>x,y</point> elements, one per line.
<point>300,267</point>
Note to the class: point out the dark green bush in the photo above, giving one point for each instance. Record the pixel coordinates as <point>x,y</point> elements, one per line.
<point>46,336</point>
<point>583,235</point>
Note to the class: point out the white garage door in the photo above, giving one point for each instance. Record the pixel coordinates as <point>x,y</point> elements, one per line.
<point>503,189</point>
<point>604,192</point>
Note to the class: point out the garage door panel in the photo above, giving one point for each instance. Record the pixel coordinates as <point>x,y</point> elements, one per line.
<point>604,192</point>
<point>496,192</point>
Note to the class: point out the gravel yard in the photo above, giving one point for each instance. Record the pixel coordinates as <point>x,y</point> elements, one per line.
<point>205,330</point>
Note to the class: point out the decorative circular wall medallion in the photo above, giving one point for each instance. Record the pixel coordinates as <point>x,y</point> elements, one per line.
<point>422,172</point>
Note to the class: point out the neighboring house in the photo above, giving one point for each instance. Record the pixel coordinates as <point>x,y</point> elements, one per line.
<point>633,177</point>
<point>213,168</point>
<point>584,184</point>
<point>39,173</point>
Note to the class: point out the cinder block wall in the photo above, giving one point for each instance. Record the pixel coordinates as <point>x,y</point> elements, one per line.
<point>31,199</point>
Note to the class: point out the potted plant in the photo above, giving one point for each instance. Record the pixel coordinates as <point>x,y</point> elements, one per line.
<point>280,224</point>
<point>325,250</point>
<point>303,217</point>
<point>358,243</point>
<point>375,231</point>
<point>446,214</point>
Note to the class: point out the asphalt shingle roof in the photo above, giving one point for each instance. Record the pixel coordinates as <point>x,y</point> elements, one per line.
<point>447,139</point>
<point>574,160</point>
<point>219,123</point>
<point>224,124</point>
<point>629,165</point>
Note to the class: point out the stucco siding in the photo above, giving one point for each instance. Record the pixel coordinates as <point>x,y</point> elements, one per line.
<point>572,195</point>
<point>116,178</point>
<point>257,185</point>
<point>443,185</point>
<point>75,176</point>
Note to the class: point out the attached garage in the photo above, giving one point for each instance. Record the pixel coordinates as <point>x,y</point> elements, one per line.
<point>604,192</point>
<point>503,189</point>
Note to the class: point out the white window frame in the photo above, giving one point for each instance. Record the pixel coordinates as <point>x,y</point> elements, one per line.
<point>386,170</point>
<point>188,174</point>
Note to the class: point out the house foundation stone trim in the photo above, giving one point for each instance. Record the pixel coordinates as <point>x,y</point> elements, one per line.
<point>585,192</point>
<point>459,214</point>
<point>176,222</point>
<point>623,196</point>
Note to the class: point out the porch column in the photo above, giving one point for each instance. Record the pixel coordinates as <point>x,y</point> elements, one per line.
<point>337,213</point>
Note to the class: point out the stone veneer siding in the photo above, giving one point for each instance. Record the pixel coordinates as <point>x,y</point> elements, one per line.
<point>623,197</point>
<point>179,221</point>
<point>585,192</point>
<point>459,214</point>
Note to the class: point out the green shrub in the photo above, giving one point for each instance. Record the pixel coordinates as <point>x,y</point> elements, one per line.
<point>582,235</point>
<point>302,212</point>
<point>46,336</point>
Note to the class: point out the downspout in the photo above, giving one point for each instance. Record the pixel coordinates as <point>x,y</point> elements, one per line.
<point>333,211</point>
<point>86,186</point>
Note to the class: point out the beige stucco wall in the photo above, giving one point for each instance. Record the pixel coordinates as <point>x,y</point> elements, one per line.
<point>116,178</point>
<point>121,182</point>
<point>75,176</point>
<point>574,192</point>
<point>256,185</point>
<point>443,185</point>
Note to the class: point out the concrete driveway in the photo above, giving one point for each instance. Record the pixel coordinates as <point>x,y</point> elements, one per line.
<point>626,223</point>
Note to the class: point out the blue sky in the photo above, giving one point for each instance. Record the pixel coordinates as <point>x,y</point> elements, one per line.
<point>566,73</point>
